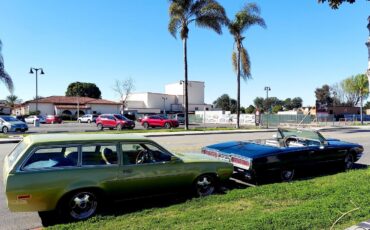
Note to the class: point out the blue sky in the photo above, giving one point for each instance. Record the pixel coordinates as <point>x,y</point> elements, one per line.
<point>305,45</point>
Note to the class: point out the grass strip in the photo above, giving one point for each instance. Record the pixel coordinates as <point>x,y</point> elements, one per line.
<point>306,204</point>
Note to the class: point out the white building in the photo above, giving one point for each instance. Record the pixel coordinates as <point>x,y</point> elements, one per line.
<point>172,101</point>
<point>58,105</point>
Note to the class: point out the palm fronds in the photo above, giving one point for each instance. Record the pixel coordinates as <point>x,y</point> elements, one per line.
<point>4,76</point>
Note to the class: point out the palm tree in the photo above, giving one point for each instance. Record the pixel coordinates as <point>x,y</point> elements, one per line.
<point>12,100</point>
<point>244,19</point>
<point>4,76</point>
<point>205,13</point>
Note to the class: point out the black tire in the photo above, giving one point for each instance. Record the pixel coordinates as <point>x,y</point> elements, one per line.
<point>89,121</point>
<point>5,129</point>
<point>49,218</point>
<point>100,126</point>
<point>167,125</point>
<point>79,205</point>
<point>287,175</point>
<point>119,127</point>
<point>204,185</point>
<point>349,161</point>
<point>79,121</point>
<point>145,125</point>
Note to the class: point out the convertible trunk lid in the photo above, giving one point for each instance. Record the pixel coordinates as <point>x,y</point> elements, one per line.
<point>244,148</point>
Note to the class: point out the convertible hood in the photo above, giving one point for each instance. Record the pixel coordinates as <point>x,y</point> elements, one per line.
<point>244,148</point>
<point>195,157</point>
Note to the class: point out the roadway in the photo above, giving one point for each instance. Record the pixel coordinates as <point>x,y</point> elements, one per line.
<point>182,143</point>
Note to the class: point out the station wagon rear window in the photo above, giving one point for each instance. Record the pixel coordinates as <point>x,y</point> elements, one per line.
<point>52,157</point>
<point>12,157</point>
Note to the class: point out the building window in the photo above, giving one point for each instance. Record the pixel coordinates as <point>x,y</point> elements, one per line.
<point>196,108</point>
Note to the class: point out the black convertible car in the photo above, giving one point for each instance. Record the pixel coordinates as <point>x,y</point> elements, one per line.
<point>287,151</point>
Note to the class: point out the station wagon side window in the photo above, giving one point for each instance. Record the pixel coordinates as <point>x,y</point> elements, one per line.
<point>98,154</point>
<point>143,153</point>
<point>52,157</point>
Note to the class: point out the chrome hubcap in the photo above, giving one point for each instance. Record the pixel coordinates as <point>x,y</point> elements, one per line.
<point>205,186</point>
<point>349,162</point>
<point>83,205</point>
<point>287,175</point>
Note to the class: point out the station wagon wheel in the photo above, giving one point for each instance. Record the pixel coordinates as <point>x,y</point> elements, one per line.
<point>205,185</point>
<point>348,161</point>
<point>287,175</point>
<point>167,125</point>
<point>146,125</point>
<point>81,205</point>
<point>5,129</point>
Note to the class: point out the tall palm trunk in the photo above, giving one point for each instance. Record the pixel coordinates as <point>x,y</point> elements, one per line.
<point>186,83</point>
<point>238,97</point>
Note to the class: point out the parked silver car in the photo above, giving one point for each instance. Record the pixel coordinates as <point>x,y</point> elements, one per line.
<point>11,124</point>
<point>87,118</point>
<point>31,119</point>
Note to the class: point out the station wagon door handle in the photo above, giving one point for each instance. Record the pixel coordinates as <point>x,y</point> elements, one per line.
<point>127,171</point>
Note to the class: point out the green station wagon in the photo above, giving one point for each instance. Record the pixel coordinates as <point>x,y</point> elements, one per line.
<point>72,175</point>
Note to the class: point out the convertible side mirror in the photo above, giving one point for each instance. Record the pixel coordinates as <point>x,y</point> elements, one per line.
<point>323,144</point>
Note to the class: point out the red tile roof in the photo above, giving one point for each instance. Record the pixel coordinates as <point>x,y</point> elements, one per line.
<point>73,100</point>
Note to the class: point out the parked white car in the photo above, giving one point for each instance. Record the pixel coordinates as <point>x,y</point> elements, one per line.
<point>31,119</point>
<point>87,118</point>
<point>11,124</point>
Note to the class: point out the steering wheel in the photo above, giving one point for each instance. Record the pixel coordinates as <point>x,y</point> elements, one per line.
<point>289,139</point>
<point>144,156</point>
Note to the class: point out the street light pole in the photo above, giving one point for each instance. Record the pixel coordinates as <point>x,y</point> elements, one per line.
<point>368,48</point>
<point>36,72</point>
<point>164,105</point>
<point>267,89</point>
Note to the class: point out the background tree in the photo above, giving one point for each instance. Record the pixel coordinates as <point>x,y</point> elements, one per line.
<point>206,14</point>
<point>277,108</point>
<point>4,76</point>
<point>83,89</point>
<point>250,109</point>
<point>12,100</point>
<point>297,102</point>
<point>259,103</point>
<point>336,3</point>
<point>323,94</point>
<point>226,103</point>
<point>245,18</point>
<point>123,88</point>
<point>359,86</point>
<point>367,105</point>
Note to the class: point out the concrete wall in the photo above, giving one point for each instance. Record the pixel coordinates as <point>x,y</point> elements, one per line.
<point>195,90</point>
<point>98,108</point>
<point>155,100</point>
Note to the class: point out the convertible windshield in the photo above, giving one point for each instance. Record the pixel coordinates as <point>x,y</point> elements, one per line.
<point>306,134</point>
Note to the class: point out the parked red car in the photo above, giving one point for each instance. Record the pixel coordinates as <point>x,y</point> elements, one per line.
<point>52,119</point>
<point>159,121</point>
<point>112,121</point>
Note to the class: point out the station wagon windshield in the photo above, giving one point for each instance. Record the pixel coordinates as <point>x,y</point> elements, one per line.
<point>306,134</point>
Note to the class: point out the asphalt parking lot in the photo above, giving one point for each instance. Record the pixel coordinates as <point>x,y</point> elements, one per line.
<point>181,143</point>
